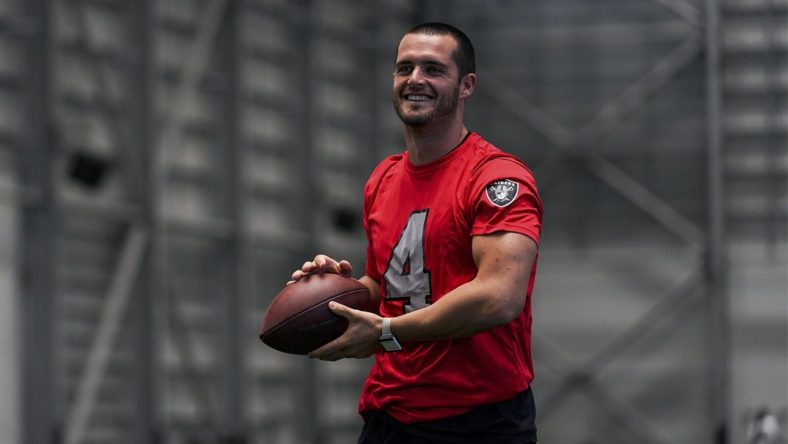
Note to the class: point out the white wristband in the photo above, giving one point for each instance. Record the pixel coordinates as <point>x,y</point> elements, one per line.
<point>387,339</point>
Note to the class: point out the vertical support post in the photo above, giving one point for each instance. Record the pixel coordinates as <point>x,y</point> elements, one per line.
<point>142,310</point>
<point>374,17</point>
<point>719,362</point>
<point>232,425</point>
<point>38,231</point>
<point>307,29</point>
<point>774,104</point>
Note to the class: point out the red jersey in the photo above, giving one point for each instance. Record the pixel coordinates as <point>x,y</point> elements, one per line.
<point>420,221</point>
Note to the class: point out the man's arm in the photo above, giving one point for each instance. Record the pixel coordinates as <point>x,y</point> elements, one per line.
<point>373,287</point>
<point>494,297</point>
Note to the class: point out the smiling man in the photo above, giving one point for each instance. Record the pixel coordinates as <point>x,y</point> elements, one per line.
<point>452,227</point>
<point>419,103</point>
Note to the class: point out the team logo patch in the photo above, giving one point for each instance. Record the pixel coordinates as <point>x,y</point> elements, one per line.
<point>502,192</point>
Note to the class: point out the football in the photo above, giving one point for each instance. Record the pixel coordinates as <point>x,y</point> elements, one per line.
<point>298,319</point>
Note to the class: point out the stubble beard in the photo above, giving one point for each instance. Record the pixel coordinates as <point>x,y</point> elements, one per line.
<point>446,106</point>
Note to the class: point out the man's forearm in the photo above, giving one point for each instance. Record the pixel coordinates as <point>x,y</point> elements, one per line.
<point>494,297</point>
<point>373,287</point>
<point>469,309</point>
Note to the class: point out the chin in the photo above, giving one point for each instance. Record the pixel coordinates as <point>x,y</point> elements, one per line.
<point>415,120</point>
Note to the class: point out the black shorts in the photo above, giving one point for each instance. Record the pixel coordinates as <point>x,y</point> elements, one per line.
<point>506,422</point>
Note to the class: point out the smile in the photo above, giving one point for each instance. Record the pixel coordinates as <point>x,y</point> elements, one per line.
<point>417,98</point>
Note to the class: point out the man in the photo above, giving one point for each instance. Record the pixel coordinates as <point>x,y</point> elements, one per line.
<point>452,227</point>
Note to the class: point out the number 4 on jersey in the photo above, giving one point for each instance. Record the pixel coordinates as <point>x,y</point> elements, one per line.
<point>406,277</point>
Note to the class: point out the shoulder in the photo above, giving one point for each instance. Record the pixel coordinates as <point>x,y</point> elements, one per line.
<point>501,195</point>
<point>499,178</point>
<point>491,163</point>
<point>384,168</point>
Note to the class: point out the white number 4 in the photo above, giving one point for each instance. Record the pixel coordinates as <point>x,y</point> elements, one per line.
<point>406,277</point>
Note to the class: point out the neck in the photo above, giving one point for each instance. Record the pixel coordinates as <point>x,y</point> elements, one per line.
<point>429,143</point>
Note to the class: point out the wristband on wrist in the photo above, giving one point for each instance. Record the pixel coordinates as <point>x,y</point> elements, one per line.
<point>387,339</point>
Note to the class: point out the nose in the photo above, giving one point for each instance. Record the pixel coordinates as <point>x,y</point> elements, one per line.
<point>416,76</point>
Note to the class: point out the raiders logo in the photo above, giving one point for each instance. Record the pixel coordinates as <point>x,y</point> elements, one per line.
<point>501,192</point>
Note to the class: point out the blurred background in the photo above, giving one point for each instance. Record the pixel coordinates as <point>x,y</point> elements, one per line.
<point>166,164</point>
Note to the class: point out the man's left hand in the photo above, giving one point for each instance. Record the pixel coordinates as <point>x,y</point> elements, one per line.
<point>360,340</point>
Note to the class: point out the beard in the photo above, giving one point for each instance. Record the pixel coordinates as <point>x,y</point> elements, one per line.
<point>445,106</point>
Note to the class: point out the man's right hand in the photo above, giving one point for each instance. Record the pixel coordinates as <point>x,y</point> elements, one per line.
<point>322,264</point>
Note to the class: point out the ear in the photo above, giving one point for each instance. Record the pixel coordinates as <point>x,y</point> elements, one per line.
<point>467,85</point>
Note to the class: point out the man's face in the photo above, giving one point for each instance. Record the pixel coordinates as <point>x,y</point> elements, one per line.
<point>426,79</point>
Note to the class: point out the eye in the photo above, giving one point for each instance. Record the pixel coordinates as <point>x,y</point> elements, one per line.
<point>433,70</point>
<point>403,70</point>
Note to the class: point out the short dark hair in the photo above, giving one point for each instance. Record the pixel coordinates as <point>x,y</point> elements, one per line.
<point>464,56</point>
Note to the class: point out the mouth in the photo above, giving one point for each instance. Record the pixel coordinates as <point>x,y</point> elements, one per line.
<point>417,97</point>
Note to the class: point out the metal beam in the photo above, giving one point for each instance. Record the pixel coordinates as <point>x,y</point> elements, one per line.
<point>612,115</point>
<point>235,263</point>
<point>683,9</point>
<point>775,106</point>
<point>196,62</point>
<point>639,423</point>
<point>308,422</point>
<point>372,54</point>
<point>677,299</point>
<point>118,128</point>
<point>38,231</point>
<point>142,315</point>
<point>525,111</point>
<point>157,161</point>
<point>574,143</point>
<point>554,37</point>
<point>133,163</point>
<point>170,137</point>
<point>641,197</point>
<point>199,385</point>
<point>634,97</point>
<point>123,280</point>
<point>569,142</point>
<point>666,304</point>
<point>638,93</point>
<point>719,401</point>
<point>579,378</point>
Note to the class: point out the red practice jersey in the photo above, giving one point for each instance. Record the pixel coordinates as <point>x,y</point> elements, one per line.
<point>419,222</point>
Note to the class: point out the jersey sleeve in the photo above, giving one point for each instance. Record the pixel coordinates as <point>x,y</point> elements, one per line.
<point>369,267</point>
<point>371,189</point>
<point>502,196</point>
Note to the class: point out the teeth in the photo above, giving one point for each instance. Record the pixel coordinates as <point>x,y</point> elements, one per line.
<point>417,98</point>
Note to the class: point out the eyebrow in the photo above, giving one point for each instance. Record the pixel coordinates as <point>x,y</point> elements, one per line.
<point>428,62</point>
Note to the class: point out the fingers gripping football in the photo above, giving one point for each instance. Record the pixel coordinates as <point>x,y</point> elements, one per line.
<point>360,340</point>
<point>323,264</point>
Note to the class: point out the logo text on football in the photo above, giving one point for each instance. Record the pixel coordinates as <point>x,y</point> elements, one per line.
<point>502,192</point>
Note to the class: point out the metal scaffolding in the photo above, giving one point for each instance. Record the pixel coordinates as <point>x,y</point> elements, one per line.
<point>141,293</point>
<point>704,283</point>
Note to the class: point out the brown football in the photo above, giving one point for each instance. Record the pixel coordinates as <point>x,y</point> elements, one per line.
<point>298,319</point>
